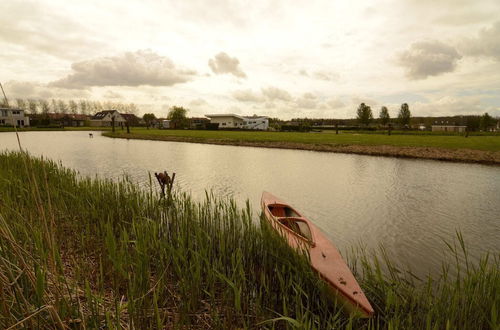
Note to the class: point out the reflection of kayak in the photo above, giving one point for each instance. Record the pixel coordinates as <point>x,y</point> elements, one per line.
<point>324,256</point>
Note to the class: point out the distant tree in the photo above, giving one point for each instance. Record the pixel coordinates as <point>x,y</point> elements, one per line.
<point>149,118</point>
<point>21,104</point>
<point>82,104</point>
<point>486,121</point>
<point>364,114</point>
<point>44,106</point>
<point>132,108</point>
<point>53,106</point>
<point>384,116</point>
<point>32,106</point>
<point>73,107</point>
<point>177,116</point>
<point>62,106</point>
<point>404,115</point>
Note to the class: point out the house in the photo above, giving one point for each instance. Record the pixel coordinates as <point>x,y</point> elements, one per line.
<point>105,118</point>
<point>164,123</point>
<point>241,122</point>
<point>131,119</point>
<point>60,119</point>
<point>13,117</point>
<point>198,122</point>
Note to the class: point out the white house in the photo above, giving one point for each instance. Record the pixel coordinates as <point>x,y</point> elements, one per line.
<point>235,121</point>
<point>105,118</point>
<point>449,128</point>
<point>13,117</point>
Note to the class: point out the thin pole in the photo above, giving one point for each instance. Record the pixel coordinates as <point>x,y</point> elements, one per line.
<point>15,126</point>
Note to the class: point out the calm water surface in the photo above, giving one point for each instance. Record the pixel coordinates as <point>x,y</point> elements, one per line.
<point>409,206</point>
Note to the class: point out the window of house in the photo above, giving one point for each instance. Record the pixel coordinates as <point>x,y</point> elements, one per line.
<point>223,124</point>
<point>2,122</point>
<point>15,112</point>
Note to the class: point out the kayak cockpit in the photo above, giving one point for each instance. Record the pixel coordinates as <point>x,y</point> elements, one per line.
<point>298,226</point>
<point>279,211</point>
<point>292,221</point>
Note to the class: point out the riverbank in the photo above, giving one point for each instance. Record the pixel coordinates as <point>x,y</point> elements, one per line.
<point>80,252</point>
<point>474,149</point>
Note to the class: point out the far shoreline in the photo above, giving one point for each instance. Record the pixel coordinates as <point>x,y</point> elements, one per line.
<point>470,156</point>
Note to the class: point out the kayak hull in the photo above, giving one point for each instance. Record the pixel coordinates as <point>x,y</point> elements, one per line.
<point>301,233</point>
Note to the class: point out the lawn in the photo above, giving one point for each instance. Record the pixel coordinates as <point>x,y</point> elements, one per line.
<point>487,143</point>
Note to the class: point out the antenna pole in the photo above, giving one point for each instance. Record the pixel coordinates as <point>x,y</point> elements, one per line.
<point>15,126</point>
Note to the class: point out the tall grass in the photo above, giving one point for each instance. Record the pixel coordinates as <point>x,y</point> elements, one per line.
<point>88,253</point>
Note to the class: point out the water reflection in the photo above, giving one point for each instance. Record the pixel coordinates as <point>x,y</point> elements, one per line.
<point>408,205</point>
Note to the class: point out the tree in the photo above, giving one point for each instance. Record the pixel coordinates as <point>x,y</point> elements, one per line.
<point>384,116</point>
<point>21,104</point>
<point>32,106</point>
<point>53,106</point>
<point>149,118</point>
<point>486,121</point>
<point>63,107</point>
<point>44,106</point>
<point>364,114</point>
<point>404,115</point>
<point>73,107</point>
<point>177,116</point>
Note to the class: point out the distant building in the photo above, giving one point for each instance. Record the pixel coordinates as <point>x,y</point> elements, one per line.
<point>13,117</point>
<point>61,119</point>
<point>131,119</point>
<point>164,123</point>
<point>198,122</point>
<point>242,122</point>
<point>449,128</point>
<point>105,118</point>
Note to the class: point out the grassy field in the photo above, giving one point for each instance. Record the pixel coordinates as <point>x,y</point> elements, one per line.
<point>86,253</point>
<point>487,143</point>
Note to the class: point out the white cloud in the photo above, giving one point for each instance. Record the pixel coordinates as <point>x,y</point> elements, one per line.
<point>112,95</point>
<point>142,67</point>
<point>222,63</point>
<point>428,58</point>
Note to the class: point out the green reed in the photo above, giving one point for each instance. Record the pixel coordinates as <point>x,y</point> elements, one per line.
<point>86,253</point>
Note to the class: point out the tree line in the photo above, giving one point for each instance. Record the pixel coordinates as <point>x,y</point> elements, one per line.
<point>365,115</point>
<point>85,107</point>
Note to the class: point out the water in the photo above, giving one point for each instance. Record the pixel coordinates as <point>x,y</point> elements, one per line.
<point>408,205</point>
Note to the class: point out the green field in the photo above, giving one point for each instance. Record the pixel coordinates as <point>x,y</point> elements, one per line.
<point>82,253</point>
<point>487,143</point>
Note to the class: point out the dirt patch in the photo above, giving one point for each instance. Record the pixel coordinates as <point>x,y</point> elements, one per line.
<point>453,155</point>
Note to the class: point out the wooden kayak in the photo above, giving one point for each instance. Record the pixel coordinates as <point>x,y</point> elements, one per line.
<point>324,256</point>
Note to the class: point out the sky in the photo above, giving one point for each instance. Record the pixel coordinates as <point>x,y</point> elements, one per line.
<point>283,58</point>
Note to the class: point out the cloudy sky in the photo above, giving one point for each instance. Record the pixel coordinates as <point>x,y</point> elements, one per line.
<point>284,58</point>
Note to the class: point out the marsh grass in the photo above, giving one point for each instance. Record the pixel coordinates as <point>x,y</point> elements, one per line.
<point>90,253</point>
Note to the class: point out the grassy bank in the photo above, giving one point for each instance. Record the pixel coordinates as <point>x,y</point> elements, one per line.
<point>86,253</point>
<point>478,149</point>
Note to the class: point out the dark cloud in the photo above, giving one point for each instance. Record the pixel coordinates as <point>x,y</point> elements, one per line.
<point>273,93</point>
<point>143,67</point>
<point>222,63</point>
<point>428,58</point>
<point>247,95</point>
<point>486,44</point>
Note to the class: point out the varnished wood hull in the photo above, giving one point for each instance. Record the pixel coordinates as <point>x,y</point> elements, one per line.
<point>324,256</point>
